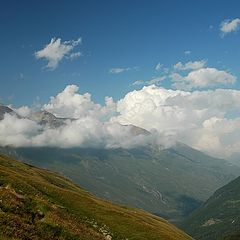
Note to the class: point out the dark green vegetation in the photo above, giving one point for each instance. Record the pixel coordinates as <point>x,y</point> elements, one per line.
<point>234,236</point>
<point>170,183</point>
<point>39,204</point>
<point>219,217</point>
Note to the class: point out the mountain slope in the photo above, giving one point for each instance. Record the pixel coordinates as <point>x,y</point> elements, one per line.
<point>4,110</point>
<point>170,183</point>
<point>39,204</point>
<point>219,216</point>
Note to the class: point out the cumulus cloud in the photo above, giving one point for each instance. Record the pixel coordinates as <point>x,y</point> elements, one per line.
<point>190,65</point>
<point>15,131</point>
<point>202,78</point>
<point>69,103</point>
<point>201,119</point>
<point>56,51</point>
<point>228,26</point>
<point>188,117</point>
<point>86,124</point>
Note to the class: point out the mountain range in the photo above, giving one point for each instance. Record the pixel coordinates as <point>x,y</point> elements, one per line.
<point>170,182</point>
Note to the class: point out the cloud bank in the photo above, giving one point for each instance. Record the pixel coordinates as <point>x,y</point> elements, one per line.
<point>207,120</point>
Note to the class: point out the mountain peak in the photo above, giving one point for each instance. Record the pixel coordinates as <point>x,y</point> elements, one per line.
<point>44,117</point>
<point>3,110</point>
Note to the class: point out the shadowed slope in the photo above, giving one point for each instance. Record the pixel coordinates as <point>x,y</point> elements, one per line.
<point>219,216</point>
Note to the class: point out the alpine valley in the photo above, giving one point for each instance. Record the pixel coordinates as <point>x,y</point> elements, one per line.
<point>169,182</point>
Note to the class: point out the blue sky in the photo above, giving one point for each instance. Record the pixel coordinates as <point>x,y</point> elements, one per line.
<point>131,35</point>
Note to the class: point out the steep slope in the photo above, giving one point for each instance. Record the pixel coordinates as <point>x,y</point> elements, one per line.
<point>219,216</point>
<point>170,183</point>
<point>39,204</point>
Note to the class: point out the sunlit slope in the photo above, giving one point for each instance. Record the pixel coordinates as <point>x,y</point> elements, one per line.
<point>39,204</point>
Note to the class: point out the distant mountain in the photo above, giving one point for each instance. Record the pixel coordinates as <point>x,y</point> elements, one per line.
<point>219,217</point>
<point>170,183</point>
<point>46,118</point>
<point>39,204</point>
<point>137,130</point>
<point>4,110</point>
<point>41,117</point>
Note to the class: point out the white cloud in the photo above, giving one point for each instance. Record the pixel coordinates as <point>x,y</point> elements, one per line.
<point>120,70</point>
<point>75,55</point>
<point>201,119</point>
<point>220,136</point>
<point>70,104</point>
<point>56,51</point>
<point>138,82</point>
<point>158,67</point>
<point>23,111</point>
<point>202,78</point>
<point>17,132</point>
<point>187,52</point>
<point>190,65</point>
<point>228,26</point>
<point>155,80</point>
<point>186,116</point>
<point>88,125</point>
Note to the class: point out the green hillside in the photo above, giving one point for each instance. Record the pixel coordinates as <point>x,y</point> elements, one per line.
<point>39,204</point>
<point>219,217</point>
<point>170,183</point>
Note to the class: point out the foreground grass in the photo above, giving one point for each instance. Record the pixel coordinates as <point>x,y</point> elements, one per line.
<point>39,204</point>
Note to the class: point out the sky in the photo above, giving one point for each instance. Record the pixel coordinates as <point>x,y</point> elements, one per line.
<point>167,66</point>
<point>134,35</point>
